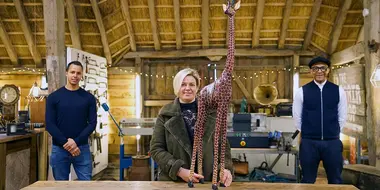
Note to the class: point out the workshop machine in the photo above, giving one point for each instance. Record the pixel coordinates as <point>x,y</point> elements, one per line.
<point>139,166</point>
<point>247,130</point>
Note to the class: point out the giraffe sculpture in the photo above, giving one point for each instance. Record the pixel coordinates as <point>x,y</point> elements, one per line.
<point>216,95</point>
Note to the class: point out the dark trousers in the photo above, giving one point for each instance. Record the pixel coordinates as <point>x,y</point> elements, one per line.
<point>329,151</point>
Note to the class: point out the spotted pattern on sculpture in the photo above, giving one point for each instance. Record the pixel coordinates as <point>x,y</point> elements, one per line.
<point>216,95</point>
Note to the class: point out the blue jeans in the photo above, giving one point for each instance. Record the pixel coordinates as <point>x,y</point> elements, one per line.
<point>61,160</point>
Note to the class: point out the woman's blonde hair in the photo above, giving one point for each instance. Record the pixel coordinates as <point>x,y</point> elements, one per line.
<point>177,82</point>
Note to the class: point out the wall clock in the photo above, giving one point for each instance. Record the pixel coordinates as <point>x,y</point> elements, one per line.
<point>9,94</point>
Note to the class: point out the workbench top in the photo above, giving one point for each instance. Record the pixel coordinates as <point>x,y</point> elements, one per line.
<point>4,138</point>
<point>160,185</point>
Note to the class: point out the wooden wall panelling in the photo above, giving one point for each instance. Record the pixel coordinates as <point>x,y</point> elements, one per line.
<point>146,80</point>
<point>152,79</point>
<point>121,98</point>
<point>281,83</point>
<point>249,81</point>
<point>160,81</point>
<point>288,81</point>
<point>168,79</point>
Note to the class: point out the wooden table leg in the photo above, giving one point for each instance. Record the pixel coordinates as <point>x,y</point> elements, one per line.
<point>33,159</point>
<point>43,156</point>
<point>3,155</point>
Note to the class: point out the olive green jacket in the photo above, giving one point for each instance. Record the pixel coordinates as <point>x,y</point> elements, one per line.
<point>171,147</point>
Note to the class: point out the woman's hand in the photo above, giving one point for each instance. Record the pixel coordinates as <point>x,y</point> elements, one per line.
<point>227,178</point>
<point>185,173</point>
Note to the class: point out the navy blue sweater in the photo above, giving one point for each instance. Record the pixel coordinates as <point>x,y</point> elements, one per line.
<point>320,111</point>
<point>70,114</point>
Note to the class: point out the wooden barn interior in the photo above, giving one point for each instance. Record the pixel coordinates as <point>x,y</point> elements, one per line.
<point>133,49</point>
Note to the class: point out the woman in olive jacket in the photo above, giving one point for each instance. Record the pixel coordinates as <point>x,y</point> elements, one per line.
<point>172,140</point>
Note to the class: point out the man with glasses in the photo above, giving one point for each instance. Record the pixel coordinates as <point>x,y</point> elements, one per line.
<point>319,112</point>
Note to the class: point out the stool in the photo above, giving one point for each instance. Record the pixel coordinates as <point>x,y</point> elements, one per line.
<point>126,162</point>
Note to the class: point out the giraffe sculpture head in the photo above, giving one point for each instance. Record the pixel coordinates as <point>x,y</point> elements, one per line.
<point>230,9</point>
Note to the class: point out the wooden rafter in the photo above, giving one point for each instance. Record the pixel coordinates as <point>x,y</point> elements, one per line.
<point>8,44</point>
<point>153,22</point>
<point>310,25</point>
<point>127,18</point>
<point>257,24</point>
<point>241,86</point>
<point>360,37</point>
<point>285,22</point>
<point>102,31</point>
<point>205,24</point>
<point>73,24</point>
<point>215,52</point>
<point>350,54</point>
<point>177,17</point>
<point>338,25</point>
<point>28,33</point>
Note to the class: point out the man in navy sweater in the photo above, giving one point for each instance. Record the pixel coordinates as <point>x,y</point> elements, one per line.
<point>319,112</point>
<point>70,119</point>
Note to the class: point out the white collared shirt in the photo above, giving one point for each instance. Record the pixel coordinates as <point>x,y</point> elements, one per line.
<point>298,105</point>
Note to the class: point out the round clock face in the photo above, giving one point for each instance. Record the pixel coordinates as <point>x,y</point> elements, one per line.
<point>9,95</point>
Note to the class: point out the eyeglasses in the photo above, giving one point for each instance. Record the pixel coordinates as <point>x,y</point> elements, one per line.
<point>316,69</point>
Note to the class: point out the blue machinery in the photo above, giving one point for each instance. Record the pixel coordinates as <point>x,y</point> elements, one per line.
<point>135,127</point>
<point>132,127</point>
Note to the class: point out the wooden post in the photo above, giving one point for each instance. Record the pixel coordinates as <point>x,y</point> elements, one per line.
<point>296,74</point>
<point>371,32</point>
<point>55,43</point>
<point>139,66</point>
<point>54,24</point>
<point>42,155</point>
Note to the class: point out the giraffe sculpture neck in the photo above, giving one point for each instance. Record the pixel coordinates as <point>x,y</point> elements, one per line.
<point>231,46</point>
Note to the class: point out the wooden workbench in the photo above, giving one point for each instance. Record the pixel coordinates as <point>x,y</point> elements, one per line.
<point>18,159</point>
<point>156,185</point>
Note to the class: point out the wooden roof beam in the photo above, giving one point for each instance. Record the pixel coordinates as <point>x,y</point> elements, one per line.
<point>28,33</point>
<point>258,20</point>
<point>310,25</point>
<point>153,21</point>
<point>177,17</point>
<point>102,31</point>
<point>285,23</point>
<point>128,21</point>
<point>73,24</point>
<point>338,25</point>
<point>205,24</point>
<point>215,52</point>
<point>360,35</point>
<point>353,53</point>
<point>8,44</point>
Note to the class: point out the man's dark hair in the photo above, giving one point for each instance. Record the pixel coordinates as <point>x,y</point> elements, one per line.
<point>77,63</point>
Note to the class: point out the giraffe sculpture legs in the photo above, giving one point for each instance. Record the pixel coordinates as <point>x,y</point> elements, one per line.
<point>198,133</point>
<point>216,149</point>
<point>223,131</point>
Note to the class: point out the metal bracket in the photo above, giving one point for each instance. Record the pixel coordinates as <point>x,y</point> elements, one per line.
<point>373,46</point>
